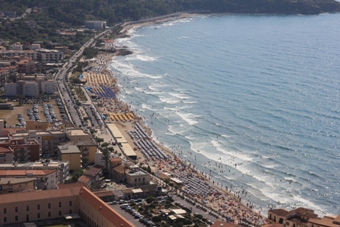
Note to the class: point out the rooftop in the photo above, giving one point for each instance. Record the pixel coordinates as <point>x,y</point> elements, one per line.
<point>76,132</point>
<point>5,181</point>
<point>137,173</point>
<point>9,173</point>
<point>69,149</point>
<point>325,221</point>
<point>101,207</point>
<point>39,195</point>
<point>279,212</point>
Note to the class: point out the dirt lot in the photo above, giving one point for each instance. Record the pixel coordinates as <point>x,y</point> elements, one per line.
<point>12,115</point>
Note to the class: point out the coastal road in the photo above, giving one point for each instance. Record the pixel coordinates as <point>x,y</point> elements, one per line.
<point>63,88</point>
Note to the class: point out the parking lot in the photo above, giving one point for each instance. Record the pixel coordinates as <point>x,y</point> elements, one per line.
<point>127,215</point>
<point>132,213</point>
<point>12,116</point>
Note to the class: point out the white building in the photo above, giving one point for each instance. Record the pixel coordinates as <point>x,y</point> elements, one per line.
<point>11,89</point>
<point>95,24</point>
<point>46,55</point>
<point>35,46</point>
<point>49,87</point>
<point>16,46</point>
<point>30,89</point>
<point>43,55</point>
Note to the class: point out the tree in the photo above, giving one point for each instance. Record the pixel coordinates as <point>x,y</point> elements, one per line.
<point>92,131</point>
<point>99,140</point>
<point>156,219</point>
<point>106,157</point>
<point>110,149</point>
<point>77,174</point>
<point>105,144</point>
<point>150,199</point>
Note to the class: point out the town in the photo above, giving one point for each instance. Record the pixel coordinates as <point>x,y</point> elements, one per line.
<point>73,154</point>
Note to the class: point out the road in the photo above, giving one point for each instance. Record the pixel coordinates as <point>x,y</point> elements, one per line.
<point>75,116</point>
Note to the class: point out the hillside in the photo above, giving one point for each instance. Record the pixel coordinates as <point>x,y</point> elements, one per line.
<point>51,15</point>
<point>76,11</point>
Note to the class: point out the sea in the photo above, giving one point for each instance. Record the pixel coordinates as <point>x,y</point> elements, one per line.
<point>250,100</point>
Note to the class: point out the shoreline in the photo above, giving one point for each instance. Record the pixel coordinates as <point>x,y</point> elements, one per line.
<point>126,27</point>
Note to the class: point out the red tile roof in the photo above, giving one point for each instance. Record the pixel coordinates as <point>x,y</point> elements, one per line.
<point>26,172</point>
<point>280,212</point>
<point>39,195</point>
<point>105,210</point>
<point>5,150</point>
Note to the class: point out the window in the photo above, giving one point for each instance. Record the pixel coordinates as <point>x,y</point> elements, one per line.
<point>38,215</point>
<point>49,214</point>
<point>59,212</point>
<point>16,218</point>
<point>38,207</point>
<point>49,206</point>
<point>27,208</point>
<point>16,209</point>
<point>5,210</point>
<point>5,219</point>
<point>59,204</point>
<point>70,211</point>
<point>70,203</point>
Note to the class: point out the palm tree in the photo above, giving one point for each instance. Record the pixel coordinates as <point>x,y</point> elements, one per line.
<point>106,157</point>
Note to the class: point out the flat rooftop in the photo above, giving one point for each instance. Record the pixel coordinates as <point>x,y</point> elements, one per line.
<point>69,149</point>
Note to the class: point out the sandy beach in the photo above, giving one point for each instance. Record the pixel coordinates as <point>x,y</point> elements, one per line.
<point>197,186</point>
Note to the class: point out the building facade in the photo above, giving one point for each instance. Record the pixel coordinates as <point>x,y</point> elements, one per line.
<point>137,177</point>
<point>44,179</point>
<point>95,24</point>
<point>70,153</point>
<point>10,185</point>
<point>23,150</point>
<point>51,204</point>
<point>49,87</point>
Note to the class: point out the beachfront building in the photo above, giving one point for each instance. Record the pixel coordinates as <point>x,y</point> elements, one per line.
<point>137,177</point>
<point>44,179</point>
<point>295,218</point>
<point>70,153</point>
<point>95,24</point>
<point>10,185</point>
<point>326,221</point>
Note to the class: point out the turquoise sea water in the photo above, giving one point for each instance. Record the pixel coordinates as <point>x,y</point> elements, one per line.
<point>256,95</point>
